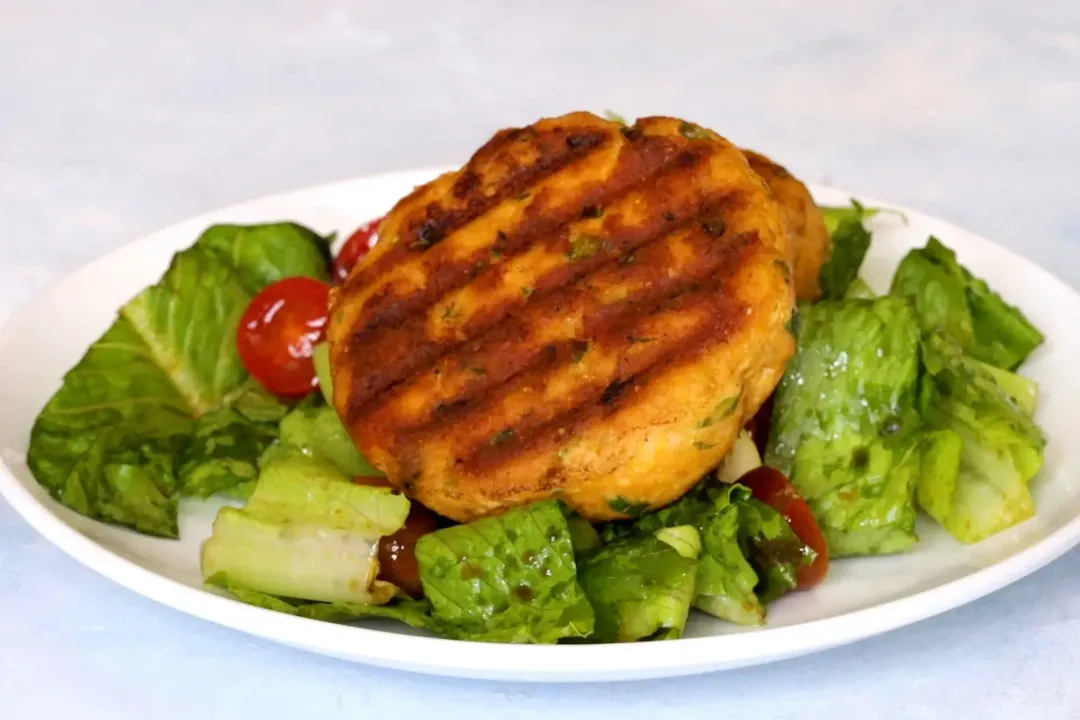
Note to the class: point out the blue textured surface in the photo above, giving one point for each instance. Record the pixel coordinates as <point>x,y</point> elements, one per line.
<point>121,116</point>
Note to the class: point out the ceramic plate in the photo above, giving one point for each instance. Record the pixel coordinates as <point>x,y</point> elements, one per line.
<point>862,597</point>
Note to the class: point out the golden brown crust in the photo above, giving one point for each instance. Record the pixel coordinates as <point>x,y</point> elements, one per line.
<point>584,310</point>
<point>809,236</point>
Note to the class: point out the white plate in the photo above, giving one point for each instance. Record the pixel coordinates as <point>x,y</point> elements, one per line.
<point>862,597</point>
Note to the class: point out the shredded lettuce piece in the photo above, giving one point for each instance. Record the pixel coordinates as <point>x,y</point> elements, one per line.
<point>416,613</point>
<point>850,242</point>
<point>509,578</point>
<point>641,588</point>
<point>976,476</point>
<point>949,298</point>
<point>845,423</point>
<point>307,532</point>
<point>318,432</point>
<point>749,554</point>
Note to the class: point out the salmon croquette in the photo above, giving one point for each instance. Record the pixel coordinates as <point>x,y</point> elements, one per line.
<point>809,237</point>
<point>585,310</point>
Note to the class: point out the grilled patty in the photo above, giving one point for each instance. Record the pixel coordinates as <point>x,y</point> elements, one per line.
<point>584,310</point>
<point>806,225</point>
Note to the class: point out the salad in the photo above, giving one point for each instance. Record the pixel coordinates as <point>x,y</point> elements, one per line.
<point>214,381</point>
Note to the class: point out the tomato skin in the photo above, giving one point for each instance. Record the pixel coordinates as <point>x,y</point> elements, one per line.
<point>771,487</point>
<point>357,246</point>
<point>278,331</point>
<point>397,552</point>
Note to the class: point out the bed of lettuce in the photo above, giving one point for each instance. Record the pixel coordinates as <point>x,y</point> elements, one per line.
<point>891,404</point>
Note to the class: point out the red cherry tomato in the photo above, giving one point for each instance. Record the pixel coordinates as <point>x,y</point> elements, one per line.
<point>771,487</point>
<point>279,329</point>
<point>397,552</point>
<point>356,247</point>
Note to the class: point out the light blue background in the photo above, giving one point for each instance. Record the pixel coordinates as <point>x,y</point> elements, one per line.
<point>120,116</point>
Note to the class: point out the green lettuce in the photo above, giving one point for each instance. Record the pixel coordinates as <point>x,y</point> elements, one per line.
<point>727,582</point>
<point>416,613</point>
<point>583,535</point>
<point>980,462</point>
<point>837,215</point>
<point>318,432</point>
<point>1021,390</point>
<point>773,548</point>
<point>949,298</point>
<point>307,532</point>
<point>845,423</point>
<point>850,241</point>
<point>693,508</point>
<point>114,443</point>
<point>320,357</point>
<point>641,588</point>
<point>226,445</point>
<point>510,578</point>
<point>116,477</point>
<point>749,554</point>
<point>261,255</point>
<point>859,290</point>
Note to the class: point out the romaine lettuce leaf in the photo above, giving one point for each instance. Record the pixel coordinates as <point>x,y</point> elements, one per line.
<point>261,255</point>
<point>101,445</point>
<point>684,539</point>
<point>976,477</point>
<point>743,458</point>
<point>850,242</point>
<point>223,453</point>
<point>859,290</point>
<point>416,613</point>
<point>320,358</point>
<point>510,578</point>
<point>125,480</point>
<point>307,532</point>
<point>318,432</point>
<point>1023,391</point>
<point>949,298</point>
<point>837,215</point>
<point>845,423</point>
<point>726,581</point>
<point>641,588</point>
<point>693,508</point>
<point>773,549</point>
<point>748,549</point>
<point>583,535</point>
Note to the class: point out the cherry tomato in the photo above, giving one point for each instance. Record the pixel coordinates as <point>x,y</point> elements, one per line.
<point>279,329</point>
<point>356,247</point>
<point>397,552</point>
<point>771,487</point>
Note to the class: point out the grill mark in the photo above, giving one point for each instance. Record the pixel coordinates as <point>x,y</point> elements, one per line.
<point>549,358</point>
<point>622,238</point>
<point>438,221</point>
<point>514,344</point>
<point>395,353</point>
<point>556,385</point>
<point>616,237</point>
<point>545,440</point>
<point>635,164</point>
<point>467,184</point>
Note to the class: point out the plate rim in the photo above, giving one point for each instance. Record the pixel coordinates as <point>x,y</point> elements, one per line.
<point>535,663</point>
